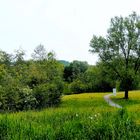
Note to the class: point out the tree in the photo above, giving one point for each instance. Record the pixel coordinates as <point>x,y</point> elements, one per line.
<point>74,70</point>
<point>120,49</point>
<point>51,56</point>
<point>5,58</point>
<point>98,79</point>
<point>40,53</point>
<point>19,56</point>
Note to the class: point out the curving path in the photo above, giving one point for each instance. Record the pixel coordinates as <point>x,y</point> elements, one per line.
<point>110,102</point>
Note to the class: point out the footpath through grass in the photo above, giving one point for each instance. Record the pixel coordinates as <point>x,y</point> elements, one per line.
<point>79,117</point>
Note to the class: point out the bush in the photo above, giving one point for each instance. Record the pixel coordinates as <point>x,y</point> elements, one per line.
<point>77,87</point>
<point>67,90</point>
<point>47,95</point>
<point>16,98</point>
<point>2,98</point>
<point>27,100</point>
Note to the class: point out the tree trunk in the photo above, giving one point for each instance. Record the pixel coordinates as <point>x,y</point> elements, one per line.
<point>126,94</point>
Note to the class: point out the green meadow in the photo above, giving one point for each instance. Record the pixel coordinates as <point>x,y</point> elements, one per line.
<point>132,105</point>
<point>78,117</point>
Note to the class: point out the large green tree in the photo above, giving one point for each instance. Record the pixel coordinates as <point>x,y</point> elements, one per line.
<point>120,49</point>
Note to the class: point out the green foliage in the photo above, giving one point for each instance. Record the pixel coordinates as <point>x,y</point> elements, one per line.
<point>66,89</point>
<point>47,95</point>
<point>15,97</point>
<point>98,79</point>
<point>94,79</point>
<point>74,70</point>
<point>5,58</point>
<point>77,86</point>
<point>30,84</point>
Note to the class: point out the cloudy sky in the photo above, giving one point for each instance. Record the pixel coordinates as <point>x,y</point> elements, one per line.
<point>65,26</point>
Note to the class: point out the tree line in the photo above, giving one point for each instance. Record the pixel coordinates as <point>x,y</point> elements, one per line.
<point>80,77</point>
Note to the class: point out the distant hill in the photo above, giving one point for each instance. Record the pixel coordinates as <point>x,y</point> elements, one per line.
<point>64,62</point>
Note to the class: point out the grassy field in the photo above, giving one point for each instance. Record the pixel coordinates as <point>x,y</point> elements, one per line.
<point>132,105</point>
<point>79,117</point>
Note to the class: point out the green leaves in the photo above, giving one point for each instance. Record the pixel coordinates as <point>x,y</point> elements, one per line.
<point>98,44</point>
<point>20,80</point>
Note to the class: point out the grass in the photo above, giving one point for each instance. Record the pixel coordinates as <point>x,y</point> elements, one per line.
<point>82,116</point>
<point>92,103</point>
<point>132,105</point>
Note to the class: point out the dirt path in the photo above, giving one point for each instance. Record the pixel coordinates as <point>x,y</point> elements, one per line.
<point>110,102</point>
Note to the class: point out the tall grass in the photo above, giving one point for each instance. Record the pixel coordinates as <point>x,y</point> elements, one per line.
<point>132,105</point>
<point>79,117</point>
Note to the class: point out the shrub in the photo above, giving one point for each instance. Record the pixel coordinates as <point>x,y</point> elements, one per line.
<point>27,100</point>
<point>16,98</point>
<point>77,87</point>
<point>66,90</point>
<point>47,95</point>
<point>2,98</point>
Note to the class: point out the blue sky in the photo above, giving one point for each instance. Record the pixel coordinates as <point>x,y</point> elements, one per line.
<point>65,26</point>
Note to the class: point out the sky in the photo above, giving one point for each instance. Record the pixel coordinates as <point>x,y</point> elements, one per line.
<point>64,26</point>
